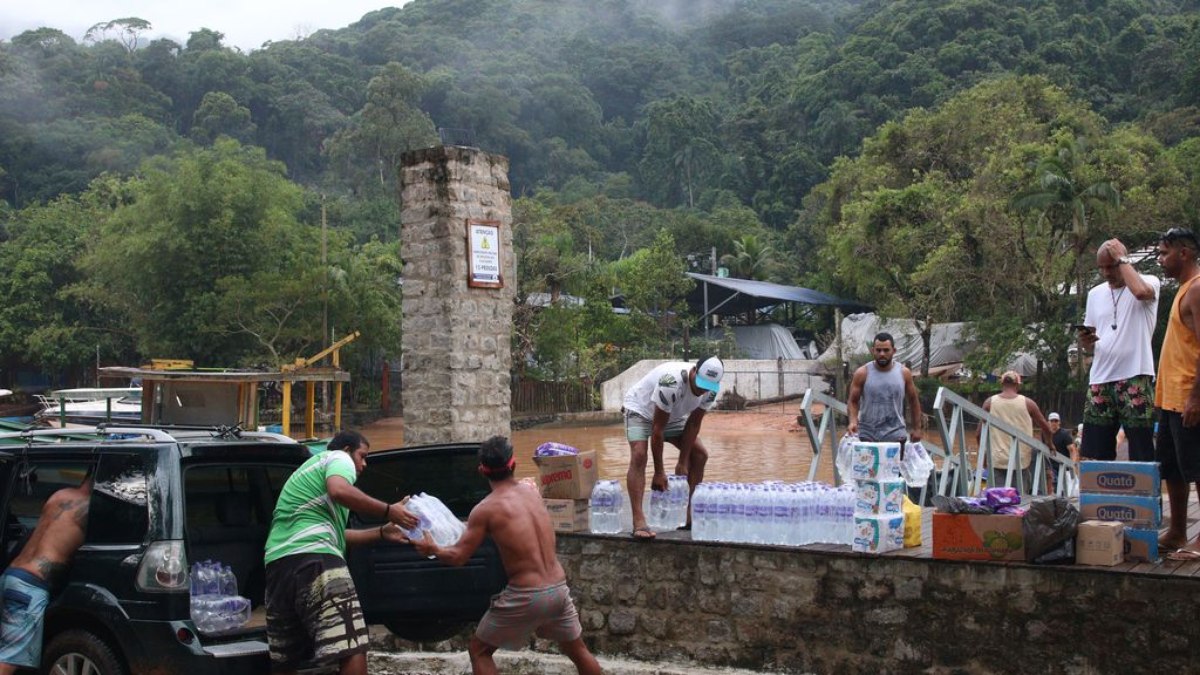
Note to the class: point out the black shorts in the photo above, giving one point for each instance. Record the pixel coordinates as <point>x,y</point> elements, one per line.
<point>1178,448</point>
<point>313,615</point>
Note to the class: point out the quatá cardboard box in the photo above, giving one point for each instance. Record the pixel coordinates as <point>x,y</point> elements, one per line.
<point>567,476</point>
<point>967,536</point>
<point>1140,478</point>
<point>568,515</point>
<point>1100,542</point>
<point>1142,511</point>
<point>1141,545</point>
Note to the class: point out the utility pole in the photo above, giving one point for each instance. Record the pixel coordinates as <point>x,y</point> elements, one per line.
<point>324,294</point>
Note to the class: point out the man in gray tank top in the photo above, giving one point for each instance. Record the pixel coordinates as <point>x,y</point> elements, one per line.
<point>877,396</point>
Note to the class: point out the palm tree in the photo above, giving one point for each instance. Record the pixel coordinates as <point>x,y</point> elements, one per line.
<point>1064,202</point>
<point>751,258</point>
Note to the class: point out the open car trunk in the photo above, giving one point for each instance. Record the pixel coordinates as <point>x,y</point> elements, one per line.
<point>228,517</point>
<point>418,598</point>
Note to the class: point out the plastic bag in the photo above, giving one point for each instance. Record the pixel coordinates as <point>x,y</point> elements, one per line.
<point>845,457</point>
<point>912,524</point>
<point>553,449</point>
<point>1049,527</point>
<point>917,464</point>
<point>946,504</point>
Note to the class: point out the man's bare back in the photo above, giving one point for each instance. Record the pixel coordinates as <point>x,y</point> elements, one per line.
<point>516,519</point>
<point>59,533</point>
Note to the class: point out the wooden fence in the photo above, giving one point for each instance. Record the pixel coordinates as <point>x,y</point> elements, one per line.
<point>536,397</point>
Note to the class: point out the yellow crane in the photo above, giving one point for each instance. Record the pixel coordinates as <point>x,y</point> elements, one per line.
<point>334,351</point>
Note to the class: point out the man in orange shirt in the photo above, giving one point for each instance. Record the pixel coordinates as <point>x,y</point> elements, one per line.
<point>1178,391</point>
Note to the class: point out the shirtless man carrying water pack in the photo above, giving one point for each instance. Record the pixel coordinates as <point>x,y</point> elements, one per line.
<point>537,598</point>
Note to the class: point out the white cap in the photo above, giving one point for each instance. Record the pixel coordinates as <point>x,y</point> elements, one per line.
<point>709,373</point>
<point>1053,417</point>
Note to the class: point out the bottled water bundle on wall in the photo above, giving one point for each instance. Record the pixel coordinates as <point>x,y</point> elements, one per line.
<point>667,510</point>
<point>772,512</point>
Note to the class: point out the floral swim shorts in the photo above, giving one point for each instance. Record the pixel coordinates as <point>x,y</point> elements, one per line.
<point>1128,403</point>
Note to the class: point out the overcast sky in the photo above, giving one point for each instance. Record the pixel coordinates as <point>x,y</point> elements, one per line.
<point>246,23</point>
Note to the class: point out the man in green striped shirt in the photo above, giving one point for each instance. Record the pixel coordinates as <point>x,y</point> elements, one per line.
<point>313,614</point>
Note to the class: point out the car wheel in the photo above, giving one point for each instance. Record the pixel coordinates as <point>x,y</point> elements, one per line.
<point>425,631</point>
<point>78,652</point>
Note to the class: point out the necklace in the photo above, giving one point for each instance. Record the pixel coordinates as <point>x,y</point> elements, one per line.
<point>1115,297</point>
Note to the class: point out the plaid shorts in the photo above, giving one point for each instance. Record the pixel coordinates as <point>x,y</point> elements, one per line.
<point>313,615</point>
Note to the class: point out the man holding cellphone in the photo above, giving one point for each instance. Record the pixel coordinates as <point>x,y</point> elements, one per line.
<point>1119,323</point>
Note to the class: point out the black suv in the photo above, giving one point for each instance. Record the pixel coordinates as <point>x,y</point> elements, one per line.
<point>164,498</point>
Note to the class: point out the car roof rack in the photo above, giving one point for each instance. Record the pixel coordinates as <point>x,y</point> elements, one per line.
<point>214,431</point>
<point>82,432</point>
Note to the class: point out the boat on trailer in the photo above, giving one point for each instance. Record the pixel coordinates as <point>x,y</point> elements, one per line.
<point>91,406</point>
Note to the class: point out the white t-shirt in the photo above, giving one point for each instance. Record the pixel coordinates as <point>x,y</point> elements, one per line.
<point>666,388</point>
<point>1123,352</point>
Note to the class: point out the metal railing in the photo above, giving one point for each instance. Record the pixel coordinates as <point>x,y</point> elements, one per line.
<point>955,473</point>
<point>963,477</point>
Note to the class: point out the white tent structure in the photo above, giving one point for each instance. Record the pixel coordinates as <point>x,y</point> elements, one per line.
<point>949,343</point>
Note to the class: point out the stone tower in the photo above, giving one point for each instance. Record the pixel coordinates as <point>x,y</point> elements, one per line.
<point>456,235</point>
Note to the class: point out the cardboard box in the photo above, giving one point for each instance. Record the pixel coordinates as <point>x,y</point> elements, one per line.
<point>875,497</point>
<point>1139,478</point>
<point>1133,510</point>
<point>875,461</point>
<point>568,515</point>
<point>878,534</point>
<point>1141,545</point>
<point>965,536</point>
<point>1100,542</point>
<point>567,476</point>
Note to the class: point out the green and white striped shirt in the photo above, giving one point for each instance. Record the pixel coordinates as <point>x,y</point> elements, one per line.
<point>306,519</point>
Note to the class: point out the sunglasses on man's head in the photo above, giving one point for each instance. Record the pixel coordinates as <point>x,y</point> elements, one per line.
<point>1179,234</point>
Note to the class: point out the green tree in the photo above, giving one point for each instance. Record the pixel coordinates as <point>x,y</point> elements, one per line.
<point>220,115</point>
<point>199,226</point>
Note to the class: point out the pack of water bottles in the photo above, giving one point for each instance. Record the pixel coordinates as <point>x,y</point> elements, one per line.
<point>607,508</point>
<point>216,606</point>
<point>773,512</point>
<point>434,517</point>
<point>667,509</point>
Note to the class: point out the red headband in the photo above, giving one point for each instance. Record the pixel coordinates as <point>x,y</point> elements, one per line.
<point>488,470</point>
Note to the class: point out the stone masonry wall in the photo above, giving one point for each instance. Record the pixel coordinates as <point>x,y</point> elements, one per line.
<point>456,339</point>
<point>799,611</point>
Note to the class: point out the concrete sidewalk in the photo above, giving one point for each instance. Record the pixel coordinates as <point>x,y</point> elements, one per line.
<point>526,663</point>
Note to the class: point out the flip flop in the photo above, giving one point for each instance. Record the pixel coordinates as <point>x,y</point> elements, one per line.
<point>684,528</point>
<point>643,533</point>
<point>1184,555</point>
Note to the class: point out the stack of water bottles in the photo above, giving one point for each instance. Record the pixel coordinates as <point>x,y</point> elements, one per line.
<point>434,517</point>
<point>879,497</point>
<point>607,508</point>
<point>773,512</point>
<point>668,509</point>
<point>216,606</point>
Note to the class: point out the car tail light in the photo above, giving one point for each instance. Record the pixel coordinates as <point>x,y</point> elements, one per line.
<point>164,568</point>
<point>185,636</point>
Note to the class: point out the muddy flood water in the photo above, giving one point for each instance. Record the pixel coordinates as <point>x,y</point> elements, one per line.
<point>742,446</point>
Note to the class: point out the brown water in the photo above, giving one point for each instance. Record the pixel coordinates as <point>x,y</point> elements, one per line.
<point>745,447</point>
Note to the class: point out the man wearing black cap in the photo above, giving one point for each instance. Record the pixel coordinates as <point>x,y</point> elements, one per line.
<point>668,404</point>
<point>537,598</point>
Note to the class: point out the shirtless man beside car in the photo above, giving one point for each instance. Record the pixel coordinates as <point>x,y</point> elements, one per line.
<point>537,598</point>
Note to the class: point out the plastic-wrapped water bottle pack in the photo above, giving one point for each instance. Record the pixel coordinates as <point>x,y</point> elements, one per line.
<point>216,606</point>
<point>435,518</point>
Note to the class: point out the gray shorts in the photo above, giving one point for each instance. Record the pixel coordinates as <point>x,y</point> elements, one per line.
<point>516,612</point>
<point>637,428</point>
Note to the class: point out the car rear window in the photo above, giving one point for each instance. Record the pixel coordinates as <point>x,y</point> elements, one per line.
<point>119,513</point>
